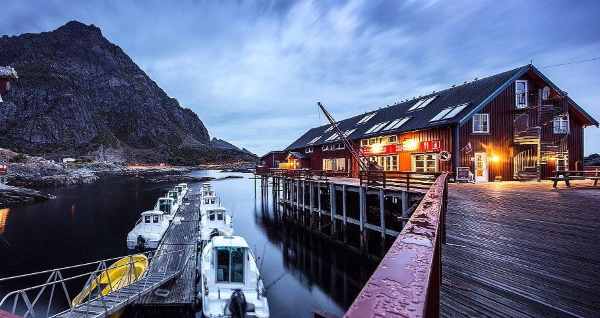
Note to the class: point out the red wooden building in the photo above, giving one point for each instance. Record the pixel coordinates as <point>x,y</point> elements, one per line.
<point>512,125</point>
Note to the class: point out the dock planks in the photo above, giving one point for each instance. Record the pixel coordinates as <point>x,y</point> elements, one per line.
<point>181,238</point>
<point>521,250</point>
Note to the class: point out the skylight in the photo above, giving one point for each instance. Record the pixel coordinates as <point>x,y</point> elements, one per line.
<point>314,140</point>
<point>329,129</point>
<point>377,127</point>
<point>422,103</point>
<point>366,118</point>
<point>396,123</point>
<point>336,137</point>
<point>449,112</point>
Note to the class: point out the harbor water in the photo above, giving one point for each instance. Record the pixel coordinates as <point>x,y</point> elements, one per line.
<point>87,223</point>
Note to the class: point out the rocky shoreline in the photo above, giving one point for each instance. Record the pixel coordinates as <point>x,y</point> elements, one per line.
<point>10,195</point>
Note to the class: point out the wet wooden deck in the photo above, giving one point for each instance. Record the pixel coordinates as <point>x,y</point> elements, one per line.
<point>181,242</point>
<point>522,250</point>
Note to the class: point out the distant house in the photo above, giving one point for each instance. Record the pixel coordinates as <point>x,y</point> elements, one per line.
<point>7,74</point>
<point>273,159</point>
<point>3,172</point>
<point>68,160</point>
<point>512,125</point>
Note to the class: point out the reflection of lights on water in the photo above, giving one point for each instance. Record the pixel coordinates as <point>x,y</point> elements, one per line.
<point>3,217</point>
<point>73,210</point>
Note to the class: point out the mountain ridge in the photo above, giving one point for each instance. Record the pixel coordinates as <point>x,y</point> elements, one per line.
<point>80,94</point>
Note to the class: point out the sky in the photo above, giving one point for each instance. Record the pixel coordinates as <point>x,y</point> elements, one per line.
<point>253,71</point>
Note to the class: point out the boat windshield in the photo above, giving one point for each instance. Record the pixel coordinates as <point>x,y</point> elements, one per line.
<point>165,206</point>
<point>230,264</point>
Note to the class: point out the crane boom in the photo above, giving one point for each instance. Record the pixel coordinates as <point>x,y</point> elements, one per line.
<point>355,153</point>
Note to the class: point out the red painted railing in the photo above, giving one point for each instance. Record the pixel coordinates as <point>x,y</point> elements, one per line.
<point>407,281</point>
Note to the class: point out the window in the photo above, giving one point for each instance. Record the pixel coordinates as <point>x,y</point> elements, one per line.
<point>155,219</point>
<point>372,141</point>
<point>366,118</point>
<point>337,137</point>
<point>327,164</point>
<point>392,139</point>
<point>521,93</point>
<point>546,93</point>
<point>334,164</point>
<point>449,112</point>
<point>424,162</point>
<point>396,123</point>
<point>560,125</point>
<point>147,219</point>
<point>422,103</point>
<point>329,129</point>
<point>481,123</point>
<point>340,146</point>
<point>364,142</point>
<point>314,140</point>
<point>326,147</point>
<point>230,264</point>
<point>308,150</point>
<point>377,127</point>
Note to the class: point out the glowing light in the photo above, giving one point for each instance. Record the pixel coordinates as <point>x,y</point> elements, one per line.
<point>495,158</point>
<point>410,144</point>
<point>376,148</point>
<point>3,217</point>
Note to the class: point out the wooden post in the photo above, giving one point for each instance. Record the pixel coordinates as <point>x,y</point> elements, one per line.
<point>311,199</point>
<point>332,211</point>
<point>382,219</point>
<point>319,206</point>
<point>344,214</point>
<point>362,204</point>
<point>297,197</point>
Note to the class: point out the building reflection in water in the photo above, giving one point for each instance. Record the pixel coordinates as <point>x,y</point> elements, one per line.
<point>3,217</point>
<point>312,260</point>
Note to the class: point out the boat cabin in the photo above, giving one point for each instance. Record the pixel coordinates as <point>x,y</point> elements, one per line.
<point>209,199</point>
<point>180,190</point>
<point>184,186</point>
<point>216,214</point>
<point>230,259</point>
<point>165,205</point>
<point>175,195</point>
<point>152,221</point>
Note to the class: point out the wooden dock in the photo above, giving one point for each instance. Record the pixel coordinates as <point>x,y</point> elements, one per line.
<point>521,250</point>
<point>178,296</point>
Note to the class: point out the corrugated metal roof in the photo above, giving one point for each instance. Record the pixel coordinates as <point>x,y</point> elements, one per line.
<point>475,94</point>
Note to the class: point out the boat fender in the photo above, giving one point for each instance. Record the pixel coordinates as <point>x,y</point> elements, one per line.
<point>238,304</point>
<point>141,242</point>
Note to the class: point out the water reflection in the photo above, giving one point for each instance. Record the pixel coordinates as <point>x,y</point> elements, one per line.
<point>3,217</point>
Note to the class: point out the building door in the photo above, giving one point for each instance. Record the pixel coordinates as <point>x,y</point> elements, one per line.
<point>481,167</point>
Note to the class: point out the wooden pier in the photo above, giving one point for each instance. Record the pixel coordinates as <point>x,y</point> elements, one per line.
<point>364,213</point>
<point>177,297</point>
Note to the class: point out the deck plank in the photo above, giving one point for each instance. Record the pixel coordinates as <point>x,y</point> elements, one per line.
<point>521,249</point>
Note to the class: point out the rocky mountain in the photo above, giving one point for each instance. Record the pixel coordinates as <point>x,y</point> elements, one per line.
<point>79,94</point>
<point>226,145</point>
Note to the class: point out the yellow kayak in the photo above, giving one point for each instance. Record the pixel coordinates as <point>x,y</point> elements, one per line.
<point>123,272</point>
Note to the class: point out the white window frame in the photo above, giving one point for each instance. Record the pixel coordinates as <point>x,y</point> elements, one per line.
<point>449,112</point>
<point>377,127</point>
<point>339,146</point>
<point>327,164</point>
<point>425,168</point>
<point>309,150</point>
<point>525,98</point>
<point>397,123</point>
<point>392,139</point>
<point>364,142</point>
<point>560,125</point>
<point>422,103</point>
<point>477,129</point>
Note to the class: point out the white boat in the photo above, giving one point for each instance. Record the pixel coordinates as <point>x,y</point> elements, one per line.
<point>168,206</point>
<point>181,189</point>
<point>207,190</point>
<point>176,196</point>
<point>216,221</point>
<point>231,282</point>
<point>208,202</point>
<point>148,231</point>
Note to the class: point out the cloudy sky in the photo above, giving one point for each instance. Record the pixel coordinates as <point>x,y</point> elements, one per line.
<point>254,70</point>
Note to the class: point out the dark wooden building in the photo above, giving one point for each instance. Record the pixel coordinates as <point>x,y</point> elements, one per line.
<point>512,125</point>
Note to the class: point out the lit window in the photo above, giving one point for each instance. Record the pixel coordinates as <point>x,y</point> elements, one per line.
<point>366,118</point>
<point>422,103</point>
<point>314,140</point>
<point>521,93</point>
<point>449,112</point>
<point>308,150</point>
<point>560,125</point>
<point>377,127</point>
<point>425,162</point>
<point>396,123</point>
<point>481,123</point>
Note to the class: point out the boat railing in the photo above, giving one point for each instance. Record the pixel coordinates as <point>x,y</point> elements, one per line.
<point>32,301</point>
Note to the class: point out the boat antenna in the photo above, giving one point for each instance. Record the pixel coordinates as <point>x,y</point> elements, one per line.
<point>356,153</point>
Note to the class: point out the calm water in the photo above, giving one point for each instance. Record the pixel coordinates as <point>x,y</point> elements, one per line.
<point>90,222</point>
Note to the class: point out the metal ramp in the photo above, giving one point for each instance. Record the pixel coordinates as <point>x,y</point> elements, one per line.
<point>52,298</point>
<point>113,302</point>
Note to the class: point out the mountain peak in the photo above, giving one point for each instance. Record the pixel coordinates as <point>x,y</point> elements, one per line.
<point>79,27</point>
